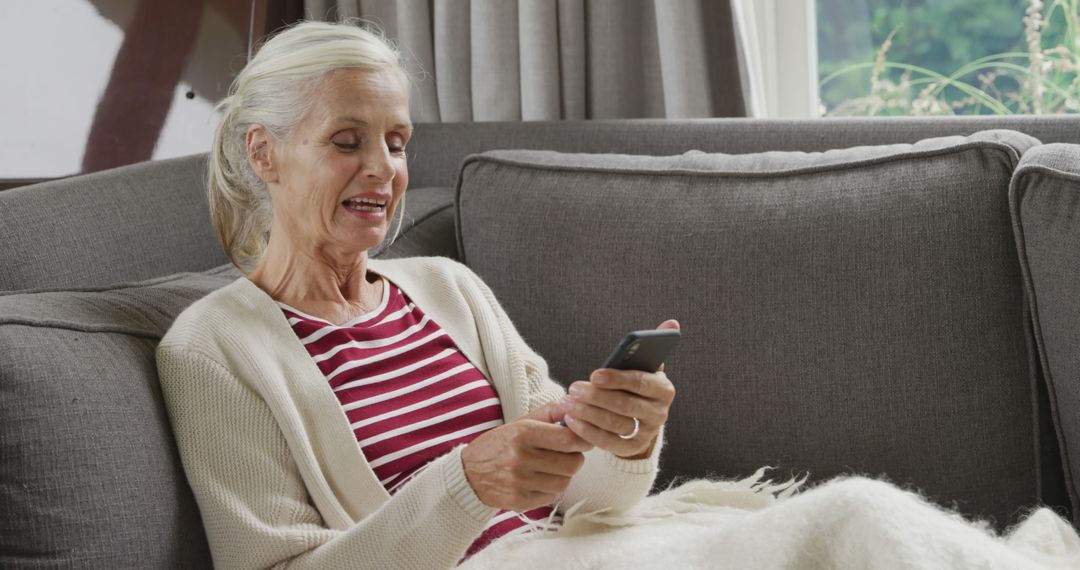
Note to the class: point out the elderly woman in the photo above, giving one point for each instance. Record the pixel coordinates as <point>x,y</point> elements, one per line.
<point>335,411</point>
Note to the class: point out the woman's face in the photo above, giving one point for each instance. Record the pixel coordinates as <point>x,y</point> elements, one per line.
<point>342,171</point>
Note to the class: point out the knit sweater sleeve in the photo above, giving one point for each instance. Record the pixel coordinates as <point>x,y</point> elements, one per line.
<point>605,482</point>
<point>253,501</point>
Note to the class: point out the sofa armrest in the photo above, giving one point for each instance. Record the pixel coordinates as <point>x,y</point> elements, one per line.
<point>1045,204</point>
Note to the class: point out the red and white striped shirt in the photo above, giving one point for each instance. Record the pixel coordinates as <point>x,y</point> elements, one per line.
<point>409,393</point>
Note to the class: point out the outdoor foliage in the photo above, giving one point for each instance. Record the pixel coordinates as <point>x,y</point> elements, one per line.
<point>940,57</point>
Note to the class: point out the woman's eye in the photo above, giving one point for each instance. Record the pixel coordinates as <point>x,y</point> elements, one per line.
<point>396,144</point>
<point>345,141</point>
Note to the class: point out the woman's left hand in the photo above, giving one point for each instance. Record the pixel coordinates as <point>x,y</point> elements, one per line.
<point>601,410</point>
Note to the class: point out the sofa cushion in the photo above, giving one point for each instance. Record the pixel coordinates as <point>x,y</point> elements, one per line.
<point>91,476</point>
<point>125,224</point>
<point>858,310</point>
<point>1046,211</point>
<point>427,226</point>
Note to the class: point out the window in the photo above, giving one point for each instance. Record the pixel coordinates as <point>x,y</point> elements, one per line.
<point>778,40</point>
<point>946,57</point>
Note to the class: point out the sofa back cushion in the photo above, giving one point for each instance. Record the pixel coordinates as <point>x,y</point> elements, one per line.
<point>91,476</point>
<point>1046,211</point>
<point>426,226</point>
<point>130,223</point>
<point>857,310</point>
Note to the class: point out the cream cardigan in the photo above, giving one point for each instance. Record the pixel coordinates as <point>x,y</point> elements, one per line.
<point>278,475</point>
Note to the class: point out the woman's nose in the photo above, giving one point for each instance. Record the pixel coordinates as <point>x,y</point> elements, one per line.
<point>378,164</point>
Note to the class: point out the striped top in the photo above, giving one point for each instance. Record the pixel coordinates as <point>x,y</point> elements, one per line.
<point>409,393</point>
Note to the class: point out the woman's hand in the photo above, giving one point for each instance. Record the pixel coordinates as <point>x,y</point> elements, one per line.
<point>526,463</point>
<point>601,410</point>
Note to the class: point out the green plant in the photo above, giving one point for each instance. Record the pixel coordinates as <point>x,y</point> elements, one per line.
<point>1043,79</point>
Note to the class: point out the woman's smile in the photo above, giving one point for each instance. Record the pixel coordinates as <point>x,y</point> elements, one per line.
<point>369,206</point>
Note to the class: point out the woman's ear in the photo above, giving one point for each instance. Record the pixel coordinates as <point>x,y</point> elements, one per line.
<point>259,145</point>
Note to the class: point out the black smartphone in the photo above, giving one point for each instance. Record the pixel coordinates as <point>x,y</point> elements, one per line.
<point>643,350</point>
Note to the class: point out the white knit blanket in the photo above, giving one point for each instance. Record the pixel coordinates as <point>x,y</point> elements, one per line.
<point>844,523</point>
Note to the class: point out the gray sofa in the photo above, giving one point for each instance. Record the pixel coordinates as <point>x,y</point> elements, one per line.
<point>907,311</point>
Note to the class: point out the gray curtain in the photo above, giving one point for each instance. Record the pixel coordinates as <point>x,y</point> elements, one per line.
<point>532,60</point>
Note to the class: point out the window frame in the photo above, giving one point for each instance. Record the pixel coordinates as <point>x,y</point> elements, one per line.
<point>779,39</point>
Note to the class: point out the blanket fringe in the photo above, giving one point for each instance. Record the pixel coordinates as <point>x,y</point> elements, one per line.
<point>713,523</point>
<point>749,494</point>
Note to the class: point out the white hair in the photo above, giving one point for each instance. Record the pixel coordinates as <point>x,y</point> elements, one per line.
<point>275,90</point>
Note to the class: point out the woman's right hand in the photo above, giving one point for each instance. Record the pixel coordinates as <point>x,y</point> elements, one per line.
<point>526,463</point>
